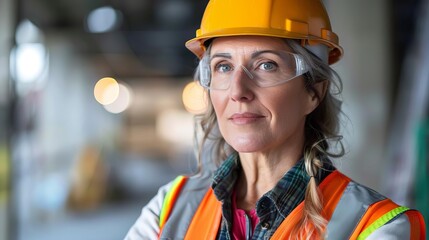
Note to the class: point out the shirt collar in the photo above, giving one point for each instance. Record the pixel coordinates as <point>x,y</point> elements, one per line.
<point>225,177</point>
<point>285,196</point>
<point>289,190</point>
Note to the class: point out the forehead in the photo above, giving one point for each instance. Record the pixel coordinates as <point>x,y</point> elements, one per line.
<point>243,44</point>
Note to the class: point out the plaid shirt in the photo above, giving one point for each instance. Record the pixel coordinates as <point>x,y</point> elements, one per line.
<point>274,206</point>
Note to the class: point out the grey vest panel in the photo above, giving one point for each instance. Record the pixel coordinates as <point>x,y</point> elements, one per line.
<point>185,207</point>
<point>352,206</point>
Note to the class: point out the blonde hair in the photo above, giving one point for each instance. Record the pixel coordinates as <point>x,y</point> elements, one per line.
<point>321,130</point>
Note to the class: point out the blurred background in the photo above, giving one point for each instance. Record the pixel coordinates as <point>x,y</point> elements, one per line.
<point>97,107</point>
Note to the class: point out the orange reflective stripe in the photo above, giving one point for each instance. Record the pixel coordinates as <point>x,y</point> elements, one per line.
<point>205,224</point>
<point>379,209</point>
<point>374,212</point>
<point>417,224</point>
<point>332,188</point>
<point>383,220</point>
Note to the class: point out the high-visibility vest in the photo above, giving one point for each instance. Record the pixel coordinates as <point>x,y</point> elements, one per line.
<point>353,211</point>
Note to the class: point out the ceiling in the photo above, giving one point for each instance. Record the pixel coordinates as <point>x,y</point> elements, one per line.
<point>148,42</point>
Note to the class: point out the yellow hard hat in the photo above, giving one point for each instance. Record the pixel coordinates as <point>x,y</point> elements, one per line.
<point>294,19</point>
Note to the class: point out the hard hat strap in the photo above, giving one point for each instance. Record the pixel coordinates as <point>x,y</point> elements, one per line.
<point>320,50</point>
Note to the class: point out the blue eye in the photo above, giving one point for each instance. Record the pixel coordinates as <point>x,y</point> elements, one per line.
<point>268,66</point>
<point>223,68</point>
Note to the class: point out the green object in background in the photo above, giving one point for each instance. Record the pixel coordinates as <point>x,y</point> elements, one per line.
<point>422,170</point>
<point>4,173</point>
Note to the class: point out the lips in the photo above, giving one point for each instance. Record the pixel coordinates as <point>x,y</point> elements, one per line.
<point>245,118</point>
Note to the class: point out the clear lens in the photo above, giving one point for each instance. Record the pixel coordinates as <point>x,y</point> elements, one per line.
<point>265,69</point>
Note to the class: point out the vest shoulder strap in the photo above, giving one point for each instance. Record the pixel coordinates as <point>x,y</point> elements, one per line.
<point>376,216</point>
<point>181,203</point>
<point>332,188</point>
<point>353,211</point>
<point>205,224</point>
<point>350,210</point>
<point>385,211</point>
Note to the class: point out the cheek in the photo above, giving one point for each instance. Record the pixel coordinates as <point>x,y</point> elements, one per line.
<point>285,108</point>
<point>217,101</point>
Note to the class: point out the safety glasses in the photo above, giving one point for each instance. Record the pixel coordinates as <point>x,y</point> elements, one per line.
<point>265,68</point>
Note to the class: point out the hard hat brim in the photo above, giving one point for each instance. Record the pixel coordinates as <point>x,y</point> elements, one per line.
<point>196,45</point>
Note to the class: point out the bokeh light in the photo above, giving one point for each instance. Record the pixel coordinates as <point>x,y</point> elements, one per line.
<point>103,19</point>
<point>175,126</point>
<point>194,98</point>
<point>28,61</point>
<point>27,32</point>
<point>106,90</point>
<point>122,102</point>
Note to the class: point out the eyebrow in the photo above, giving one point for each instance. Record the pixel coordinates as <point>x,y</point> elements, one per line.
<point>254,54</point>
<point>221,55</point>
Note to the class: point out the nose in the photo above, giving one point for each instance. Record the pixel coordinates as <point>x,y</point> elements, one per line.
<point>240,89</point>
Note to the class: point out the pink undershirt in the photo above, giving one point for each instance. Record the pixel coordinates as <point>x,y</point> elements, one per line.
<point>239,219</point>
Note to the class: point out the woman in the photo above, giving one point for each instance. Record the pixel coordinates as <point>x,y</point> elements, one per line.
<point>271,118</point>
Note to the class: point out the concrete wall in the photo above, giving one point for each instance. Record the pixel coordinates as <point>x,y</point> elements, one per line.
<point>364,32</point>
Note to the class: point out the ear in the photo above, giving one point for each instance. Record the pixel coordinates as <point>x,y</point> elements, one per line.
<point>316,95</point>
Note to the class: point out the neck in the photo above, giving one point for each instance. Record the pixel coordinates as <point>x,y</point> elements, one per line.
<point>261,172</point>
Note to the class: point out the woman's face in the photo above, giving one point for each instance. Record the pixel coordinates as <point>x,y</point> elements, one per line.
<point>253,118</point>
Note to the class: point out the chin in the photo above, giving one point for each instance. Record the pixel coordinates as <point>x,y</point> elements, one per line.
<point>246,146</point>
